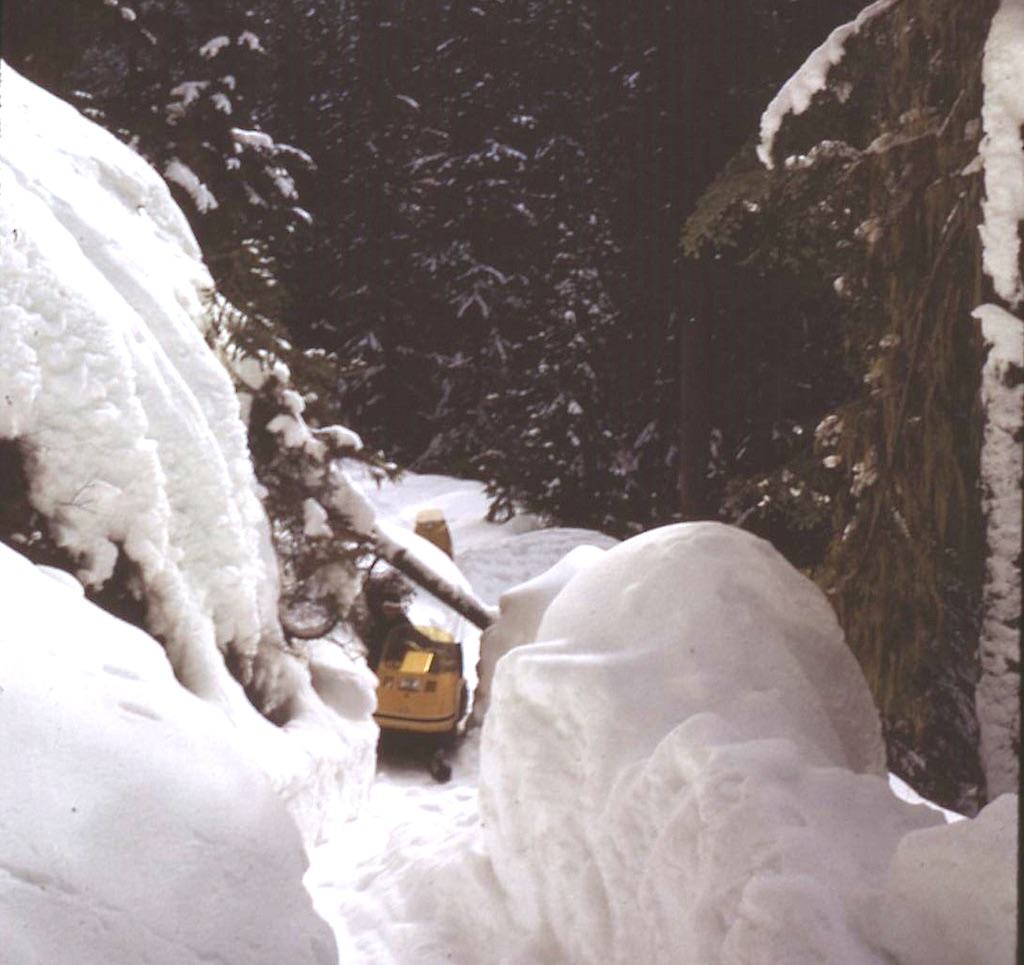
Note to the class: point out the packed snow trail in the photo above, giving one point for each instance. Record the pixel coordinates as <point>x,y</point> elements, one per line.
<point>409,820</point>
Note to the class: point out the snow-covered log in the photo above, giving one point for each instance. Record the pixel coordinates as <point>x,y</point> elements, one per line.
<point>404,559</point>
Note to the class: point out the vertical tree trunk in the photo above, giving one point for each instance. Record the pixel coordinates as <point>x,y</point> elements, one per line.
<point>695,412</point>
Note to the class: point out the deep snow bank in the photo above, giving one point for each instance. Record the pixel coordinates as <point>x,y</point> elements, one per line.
<point>133,826</point>
<point>687,767</point>
<point>520,612</point>
<point>132,438</point>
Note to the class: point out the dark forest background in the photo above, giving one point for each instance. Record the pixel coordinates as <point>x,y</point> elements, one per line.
<point>477,207</point>
<point>528,242</point>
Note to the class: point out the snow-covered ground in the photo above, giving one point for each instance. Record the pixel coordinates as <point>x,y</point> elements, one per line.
<point>134,824</point>
<point>644,800</point>
<point>680,761</point>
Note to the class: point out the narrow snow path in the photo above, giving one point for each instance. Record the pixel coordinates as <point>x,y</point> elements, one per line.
<point>410,822</point>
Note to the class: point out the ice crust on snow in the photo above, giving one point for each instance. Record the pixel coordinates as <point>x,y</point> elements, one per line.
<point>133,435</point>
<point>134,826</point>
<point>1002,469</point>
<point>796,94</point>
<point>1002,151</point>
<point>687,767</point>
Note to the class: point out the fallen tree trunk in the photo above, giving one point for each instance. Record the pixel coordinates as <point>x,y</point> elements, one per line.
<point>462,601</point>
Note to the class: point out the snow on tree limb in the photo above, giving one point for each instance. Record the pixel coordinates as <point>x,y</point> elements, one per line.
<point>1002,151</point>
<point>796,94</point>
<point>998,691</point>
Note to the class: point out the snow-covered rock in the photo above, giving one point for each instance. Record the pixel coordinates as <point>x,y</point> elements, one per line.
<point>134,826</point>
<point>687,767</point>
<point>132,437</point>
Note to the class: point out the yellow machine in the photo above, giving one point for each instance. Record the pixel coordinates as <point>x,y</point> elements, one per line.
<point>432,526</point>
<point>420,688</point>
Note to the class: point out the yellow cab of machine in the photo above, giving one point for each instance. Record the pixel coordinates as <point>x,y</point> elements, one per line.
<point>420,689</point>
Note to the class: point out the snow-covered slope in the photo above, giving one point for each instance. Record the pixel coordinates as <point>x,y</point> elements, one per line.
<point>130,431</point>
<point>134,827</point>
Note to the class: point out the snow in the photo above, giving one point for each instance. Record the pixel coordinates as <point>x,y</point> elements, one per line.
<point>348,499</point>
<point>284,183</point>
<point>214,46</point>
<point>464,503</point>
<point>665,776</point>
<point>680,762</point>
<point>522,608</point>
<point>1002,468</point>
<point>905,792</point>
<point>704,741</point>
<point>186,93</point>
<point>182,175</point>
<point>134,827</point>
<point>951,895</point>
<point>248,39</point>
<point>315,519</point>
<point>133,437</point>
<point>796,94</point>
<point>1002,151</point>
<point>253,139</point>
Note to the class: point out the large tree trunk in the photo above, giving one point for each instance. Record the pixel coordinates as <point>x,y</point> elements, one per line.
<point>694,415</point>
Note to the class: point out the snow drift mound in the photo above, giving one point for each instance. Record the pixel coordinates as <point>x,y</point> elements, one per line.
<point>132,826</point>
<point>131,423</point>
<point>130,431</point>
<point>688,767</point>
